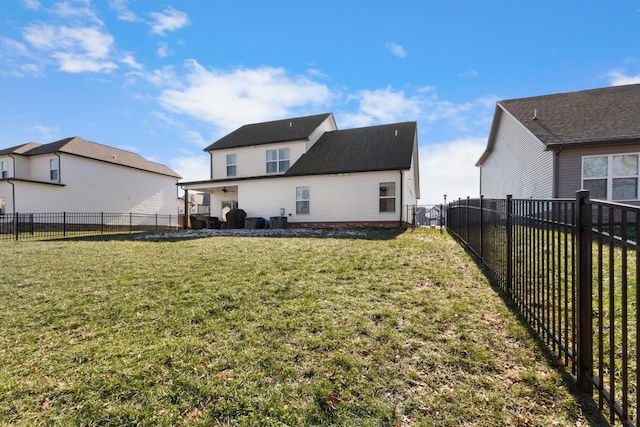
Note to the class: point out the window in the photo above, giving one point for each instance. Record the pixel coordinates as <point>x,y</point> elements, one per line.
<point>4,169</point>
<point>387,197</point>
<point>231,165</point>
<point>302,200</point>
<point>53,169</point>
<point>278,160</point>
<point>613,177</point>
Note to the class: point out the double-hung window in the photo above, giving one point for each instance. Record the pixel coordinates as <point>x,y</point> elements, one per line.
<point>231,165</point>
<point>612,177</point>
<point>278,160</point>
<point>302,200</point>
<point>4,169</point>
<point>387,197</point>
<point>53,169</point>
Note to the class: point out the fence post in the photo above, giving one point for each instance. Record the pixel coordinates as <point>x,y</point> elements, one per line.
<point>16,225</point>
<point>583,283</point>
<point>466,237</point>
<point>509,243</point>
<point>481,226</point>
<point>64,224</point>
<point>101,222</point>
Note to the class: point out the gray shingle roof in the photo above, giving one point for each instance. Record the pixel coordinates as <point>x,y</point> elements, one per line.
<point>19,149</point>
<point>374,148</point>
<point>295,129</point>
<point>81,147</point>
<point>609,114</point>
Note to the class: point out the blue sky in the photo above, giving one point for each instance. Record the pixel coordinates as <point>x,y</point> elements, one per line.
<point>166,79</point>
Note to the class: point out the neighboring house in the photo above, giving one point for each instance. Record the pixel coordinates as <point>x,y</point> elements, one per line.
<point>429,216</point>
<point>315,175</point>
<point>76,175</point>
<point>554,145</point>
<point>197,203</point>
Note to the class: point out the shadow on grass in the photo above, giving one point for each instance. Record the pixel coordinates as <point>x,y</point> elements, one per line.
<point>588,405</point>
<point>182,235</point>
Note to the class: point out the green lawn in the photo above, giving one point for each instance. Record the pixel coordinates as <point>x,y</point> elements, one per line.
<point>396,330</point>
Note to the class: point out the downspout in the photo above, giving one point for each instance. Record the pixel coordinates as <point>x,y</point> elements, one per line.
<point>13,196</point>
<point>401,196</point>
<point>13,186</point>
<point>210,165</point>
<point>556,172</point>
<point>59,168</point>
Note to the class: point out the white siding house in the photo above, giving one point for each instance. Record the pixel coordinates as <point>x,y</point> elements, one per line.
<point>76,175</point>
<point>515,161</point>
<point>554,145</point>
<point>306,170</point>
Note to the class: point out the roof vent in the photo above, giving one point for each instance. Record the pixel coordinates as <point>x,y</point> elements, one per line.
<point>290,124</point>
<point>396,133</point>
<point>535,114</point>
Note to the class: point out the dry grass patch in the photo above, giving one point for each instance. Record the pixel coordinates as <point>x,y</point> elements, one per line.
<point>398,330</point>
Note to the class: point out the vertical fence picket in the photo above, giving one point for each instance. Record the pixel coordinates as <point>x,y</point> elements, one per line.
<point>545,263</point>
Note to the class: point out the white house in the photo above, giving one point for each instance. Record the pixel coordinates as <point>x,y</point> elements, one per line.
<point>554,145</point>
<point>315,175</point>
<point>76,175</point>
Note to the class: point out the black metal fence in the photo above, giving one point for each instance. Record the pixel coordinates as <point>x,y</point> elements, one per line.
<point>426,215</point>
<point>570,265</point>
<point>35,226</point>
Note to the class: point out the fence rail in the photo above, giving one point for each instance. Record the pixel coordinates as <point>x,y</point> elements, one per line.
<point>570,265</point>
<point>35,226</point>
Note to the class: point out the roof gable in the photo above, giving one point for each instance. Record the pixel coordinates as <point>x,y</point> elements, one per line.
<point>374,148</point>
<point>81,147</point>
<point>597,115</point>
<point>19,149</point>
<point>295,129</point>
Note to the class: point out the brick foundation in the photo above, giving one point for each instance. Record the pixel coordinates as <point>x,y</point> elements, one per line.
<point>351,225</point>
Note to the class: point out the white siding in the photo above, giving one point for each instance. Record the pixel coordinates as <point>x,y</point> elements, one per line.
<point>327,126</point>
<point>333,198</point>
<point>518,164</point>
<point>252,161</point>
<point>93,186</point>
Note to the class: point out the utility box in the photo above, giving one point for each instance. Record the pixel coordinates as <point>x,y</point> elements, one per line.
<point>255,223</point>
<point>278,222</point>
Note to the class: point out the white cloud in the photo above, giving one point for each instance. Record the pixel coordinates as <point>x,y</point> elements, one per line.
<point>193,168</point>
<point>163,50</point>
<point>449,168</point>
<point>169,19</point>
<point>75,49</point>
<point>397,50</point>
<point>122,9</point>
<point>195,138</point>
<point>128,59</point>
<point>31,4</point>
<point>47,134</point>
<point>74,63</point>
<point>470,74</point>
<point>66,10</point>
<point>383,106</point>
<point>619,78</point>
<point>229,99</point>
